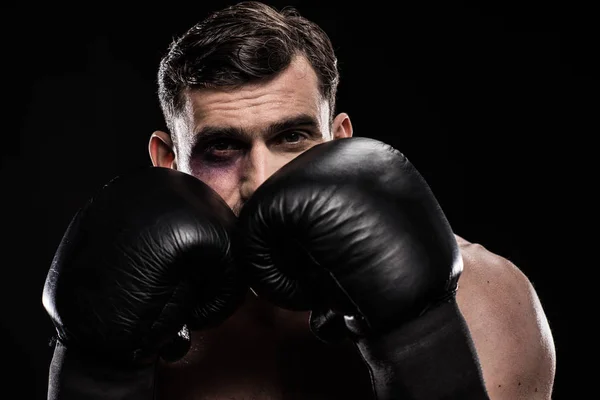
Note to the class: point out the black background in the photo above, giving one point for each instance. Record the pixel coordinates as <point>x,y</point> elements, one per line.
<point>496,105</point>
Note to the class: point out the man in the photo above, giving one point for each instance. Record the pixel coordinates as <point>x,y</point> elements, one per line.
<point>244,93</point>
<point>233,122</point>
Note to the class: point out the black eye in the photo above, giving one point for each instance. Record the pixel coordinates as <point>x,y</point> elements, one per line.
<point>223,145</point>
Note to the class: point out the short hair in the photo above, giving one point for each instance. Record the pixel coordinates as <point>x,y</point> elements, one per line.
<point>246,42</point>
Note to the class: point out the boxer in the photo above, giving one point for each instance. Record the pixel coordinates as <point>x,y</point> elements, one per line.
<point>249,93</point>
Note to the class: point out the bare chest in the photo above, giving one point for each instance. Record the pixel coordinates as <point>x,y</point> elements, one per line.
<point>261,353</point>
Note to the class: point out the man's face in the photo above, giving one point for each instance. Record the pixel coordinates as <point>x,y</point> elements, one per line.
<point>233,140</point>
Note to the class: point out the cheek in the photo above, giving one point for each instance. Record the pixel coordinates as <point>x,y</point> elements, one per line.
<point>280,161</point>
<point>222,179</point>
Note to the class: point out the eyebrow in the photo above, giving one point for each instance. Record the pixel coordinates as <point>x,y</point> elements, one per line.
<point>209,133</point>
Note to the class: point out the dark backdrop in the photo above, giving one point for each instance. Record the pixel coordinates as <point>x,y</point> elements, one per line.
<point>495,104</point>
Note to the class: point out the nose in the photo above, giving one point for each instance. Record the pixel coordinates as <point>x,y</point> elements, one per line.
<point>259,165</point>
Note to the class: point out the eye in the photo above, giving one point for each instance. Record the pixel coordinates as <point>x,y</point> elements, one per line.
<point>222,145</point>
<point>219,151</point>
<point>292,137</point>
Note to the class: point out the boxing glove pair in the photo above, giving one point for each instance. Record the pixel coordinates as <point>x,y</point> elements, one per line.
<point>348,230</point>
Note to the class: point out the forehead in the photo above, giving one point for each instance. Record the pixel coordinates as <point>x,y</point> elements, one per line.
<point>253,106</point>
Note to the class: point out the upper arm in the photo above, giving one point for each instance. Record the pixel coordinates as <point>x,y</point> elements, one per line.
<point>508,325</point>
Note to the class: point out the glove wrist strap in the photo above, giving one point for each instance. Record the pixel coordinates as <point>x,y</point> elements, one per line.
<point>432,357</point>
<point>73,378</point>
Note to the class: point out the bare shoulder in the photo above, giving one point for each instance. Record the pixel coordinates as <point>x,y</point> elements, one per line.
<point>508,324</point>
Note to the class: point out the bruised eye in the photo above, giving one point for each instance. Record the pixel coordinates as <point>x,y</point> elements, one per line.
<point>221,150</point>
<point>222,145</point>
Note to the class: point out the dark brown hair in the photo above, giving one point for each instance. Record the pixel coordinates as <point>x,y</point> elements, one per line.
<point>249,41</point>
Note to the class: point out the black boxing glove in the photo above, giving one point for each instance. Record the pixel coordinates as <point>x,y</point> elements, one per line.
<point>146,259</point>
<point>350,230</point>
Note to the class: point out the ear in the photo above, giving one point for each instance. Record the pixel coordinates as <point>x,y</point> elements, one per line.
<point>161,150</point>
<point>341,127</point>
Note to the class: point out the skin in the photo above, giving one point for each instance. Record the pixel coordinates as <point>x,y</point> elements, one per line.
<point>276,354</point>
